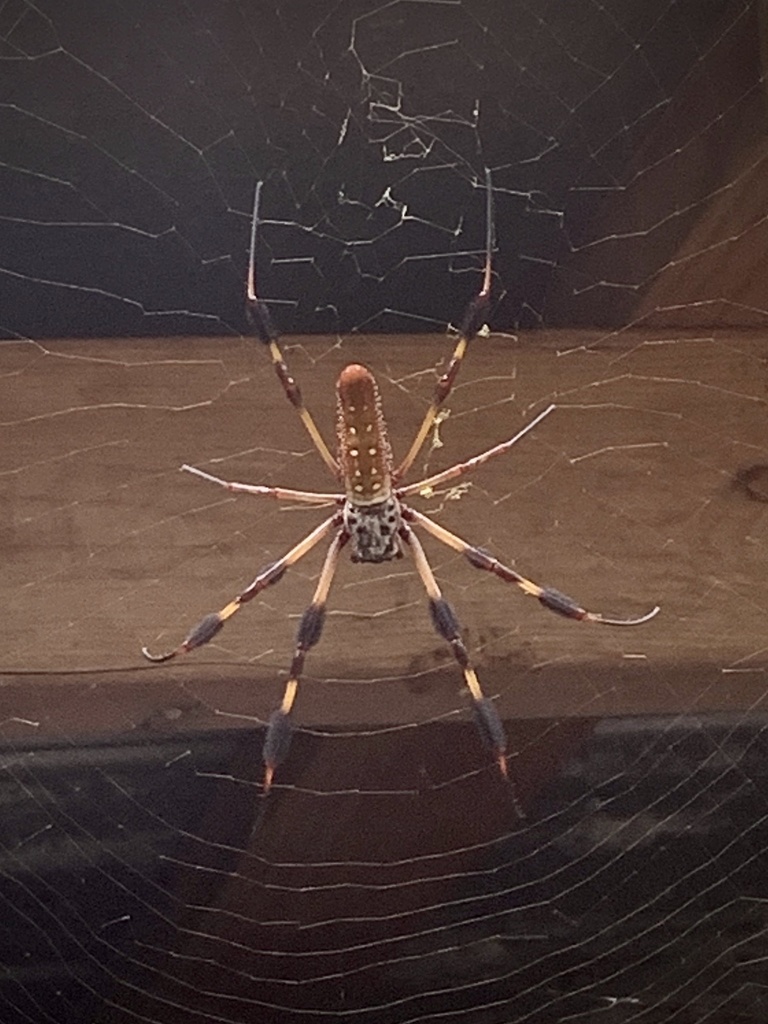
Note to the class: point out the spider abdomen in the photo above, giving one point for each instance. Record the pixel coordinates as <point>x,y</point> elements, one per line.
<point>365,455</point>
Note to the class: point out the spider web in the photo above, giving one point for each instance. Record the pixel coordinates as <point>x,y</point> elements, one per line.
<point>391,876</point>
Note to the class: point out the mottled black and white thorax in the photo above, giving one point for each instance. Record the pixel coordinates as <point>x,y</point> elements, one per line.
<point>373,530</point>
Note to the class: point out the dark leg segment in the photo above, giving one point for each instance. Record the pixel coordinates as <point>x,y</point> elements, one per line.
<point>280,729</point>
<point>209,626</point>
<point>446,624</point>
<point>550,598</point>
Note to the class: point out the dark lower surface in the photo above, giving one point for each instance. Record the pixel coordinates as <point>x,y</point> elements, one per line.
<point>150,881</point>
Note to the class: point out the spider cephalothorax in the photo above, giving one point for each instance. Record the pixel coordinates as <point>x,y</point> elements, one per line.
<point>372,515</point>
<point>373,530</point>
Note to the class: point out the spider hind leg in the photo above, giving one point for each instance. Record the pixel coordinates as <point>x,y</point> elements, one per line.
<point>447,626</point>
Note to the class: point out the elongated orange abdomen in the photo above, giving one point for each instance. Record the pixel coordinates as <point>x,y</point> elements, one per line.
<point>365,455</point>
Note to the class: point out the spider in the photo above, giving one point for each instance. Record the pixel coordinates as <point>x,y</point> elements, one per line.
<point>372,515</point>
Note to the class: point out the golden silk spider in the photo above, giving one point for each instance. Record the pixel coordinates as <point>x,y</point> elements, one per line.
<point>372,515</point>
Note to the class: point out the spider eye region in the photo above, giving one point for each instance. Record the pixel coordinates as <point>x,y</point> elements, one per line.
<point>373,531</point>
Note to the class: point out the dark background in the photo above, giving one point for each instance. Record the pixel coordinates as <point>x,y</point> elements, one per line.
<point>133,134</point>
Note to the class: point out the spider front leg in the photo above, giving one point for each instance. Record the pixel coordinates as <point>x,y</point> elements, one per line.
<point>430,482</point>
<point>262,490</point>
<point>280,729</point>
<point>552,599</point>
<point>447,625</point>
<point>472,321</point>
<point>258,315</point>
<point>210,625</point>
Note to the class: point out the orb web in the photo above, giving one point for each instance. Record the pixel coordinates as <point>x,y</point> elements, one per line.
<point>391,876</point>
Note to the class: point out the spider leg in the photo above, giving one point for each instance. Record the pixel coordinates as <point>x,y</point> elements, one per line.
<point>552,599</point>
<point>280,729</point>
<point>472,321</point>
<point>281,493</point>
<point>447,625</point>
<point>209,626</point>
<point>465,467</point>
<point>258,315</point>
